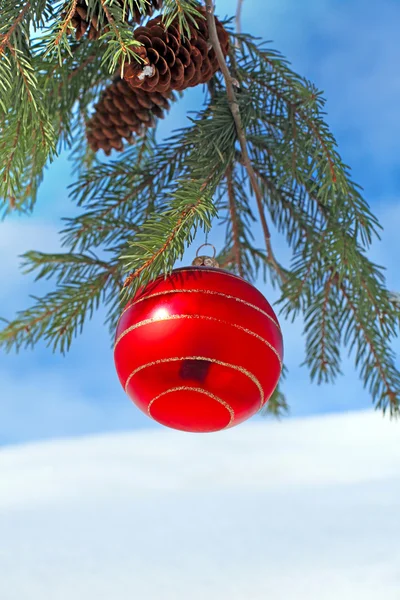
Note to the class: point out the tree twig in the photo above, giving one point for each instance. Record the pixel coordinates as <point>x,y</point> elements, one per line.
<point>66,22</point>
<point>111,21</point>
<point>234,219</point>
<point>5,39</point>
<point>239,16</point>
<point>234,106</point>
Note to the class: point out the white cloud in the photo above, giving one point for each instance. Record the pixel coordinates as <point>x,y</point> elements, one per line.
<point>304,509</point>
<point>361,77</point>
<point>351,51</point>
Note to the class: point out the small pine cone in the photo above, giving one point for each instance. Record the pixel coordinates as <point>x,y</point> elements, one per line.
<point>170,62</point>
<point>123,112</point>
<point>82,23</point>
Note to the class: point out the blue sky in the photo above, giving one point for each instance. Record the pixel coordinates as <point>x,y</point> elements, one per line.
<point>351,51</point>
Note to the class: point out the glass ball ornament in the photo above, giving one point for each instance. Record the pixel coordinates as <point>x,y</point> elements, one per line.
<point>200,350</point>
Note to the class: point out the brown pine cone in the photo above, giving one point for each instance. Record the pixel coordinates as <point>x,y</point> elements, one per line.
<point>82,23</point>
<point>169,61</point>
<point>122,112</point>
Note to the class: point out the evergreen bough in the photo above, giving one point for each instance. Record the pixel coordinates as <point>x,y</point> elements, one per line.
<point>259,150</point>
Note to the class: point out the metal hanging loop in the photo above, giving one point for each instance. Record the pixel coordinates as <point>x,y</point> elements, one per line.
<point>206,261</point>
<point>203,246</point>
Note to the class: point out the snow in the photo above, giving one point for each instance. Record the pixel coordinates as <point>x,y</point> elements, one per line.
<point>301,509</point>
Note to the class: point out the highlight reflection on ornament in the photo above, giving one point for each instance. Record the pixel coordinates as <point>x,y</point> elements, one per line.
<point>161,313</point>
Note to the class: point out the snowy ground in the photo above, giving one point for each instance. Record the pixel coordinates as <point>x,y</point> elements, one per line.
<point>304,509</point>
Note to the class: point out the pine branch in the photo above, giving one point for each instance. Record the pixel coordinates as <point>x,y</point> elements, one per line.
<point>258,151</point>
<point>57,39</point>
<point>64,267</point>
<point>25,117</point>
<point>6,37</point>
<point>395,298</point>
<point>116,198</point>
<point>165,233</point>
<point>291,82</point>
<point>232,101</point>
<point>323,333</point>
<point>185,11</point>
<point>377,360</point>
<point>277,405</point>
<point>172,229</point>
<point>65,24</point>
<point>121,44</point>
<point>61,315</point>
<point>288,113</point>
<point>286,207</point>
<point>253,259</point>
<point>235,109</point>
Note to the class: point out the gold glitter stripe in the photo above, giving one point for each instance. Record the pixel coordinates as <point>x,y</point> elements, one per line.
<point>200,317</point>
<point>200,391</point>
<point>242,370</point>
<point>210,292</point>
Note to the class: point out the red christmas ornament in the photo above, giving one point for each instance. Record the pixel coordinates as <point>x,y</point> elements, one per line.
<point>200,350</point>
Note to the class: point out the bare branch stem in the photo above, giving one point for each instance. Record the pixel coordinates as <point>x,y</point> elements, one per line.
<point>239,16</point>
